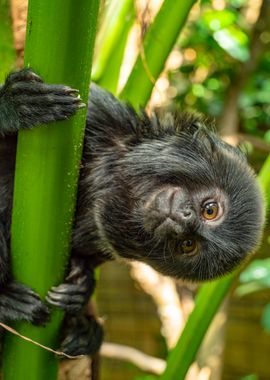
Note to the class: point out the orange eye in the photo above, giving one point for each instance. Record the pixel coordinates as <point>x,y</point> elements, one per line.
<point>189,246</point>
<point>210,210</point>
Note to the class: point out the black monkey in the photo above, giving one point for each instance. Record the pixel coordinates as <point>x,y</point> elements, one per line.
<point>163,190</point>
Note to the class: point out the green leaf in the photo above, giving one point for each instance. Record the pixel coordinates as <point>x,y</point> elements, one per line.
<point>253,376</point>
<point>254,278</point>
<point>234,42</point>
<point>266,318</point>
<point>216,20</point>
<point>267,136</point>
<point>257,270</point>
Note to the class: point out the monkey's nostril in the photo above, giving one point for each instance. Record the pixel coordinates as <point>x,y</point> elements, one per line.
<point>186,213</point>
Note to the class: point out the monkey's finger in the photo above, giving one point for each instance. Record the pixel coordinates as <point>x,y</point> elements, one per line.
<point>18,290</point>
<point>70,297</point>
<point>22,75</point>
<point>20,302</point>
<point>47,100</point>
<point>71,304</point>
<point>40,88</point>
<point>34,115</point>
<point>76,272</point>
<point>69,289</point>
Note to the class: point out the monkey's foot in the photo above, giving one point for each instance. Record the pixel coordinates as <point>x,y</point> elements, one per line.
<point>18,302</point>
<point>31,102</point>
<point>83,336</point>
<point>73,294</point>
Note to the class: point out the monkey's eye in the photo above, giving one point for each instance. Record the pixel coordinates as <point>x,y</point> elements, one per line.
<point>189,246</point>
<point>210,210</point>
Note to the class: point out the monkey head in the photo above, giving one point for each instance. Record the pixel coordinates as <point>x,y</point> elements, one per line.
<point>184,202</point>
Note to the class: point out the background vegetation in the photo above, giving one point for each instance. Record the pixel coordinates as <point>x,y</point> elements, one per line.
<point>219,66</point>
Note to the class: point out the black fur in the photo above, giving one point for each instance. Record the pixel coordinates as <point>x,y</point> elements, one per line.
<point>128,158</point>
<point>138,173</point>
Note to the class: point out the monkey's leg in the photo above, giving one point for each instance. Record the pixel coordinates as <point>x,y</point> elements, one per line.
<point>82,334</point>
<point>17,301</point>
<point>26,101</point>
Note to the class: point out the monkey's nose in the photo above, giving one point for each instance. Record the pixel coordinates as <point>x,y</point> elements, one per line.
<point>168,212</point>
<point>173,203</point>
<point>187,213</point>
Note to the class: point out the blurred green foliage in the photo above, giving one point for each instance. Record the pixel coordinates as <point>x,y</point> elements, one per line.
<point>250,377</point>
<point>254,278</point>
<point>213,48</point>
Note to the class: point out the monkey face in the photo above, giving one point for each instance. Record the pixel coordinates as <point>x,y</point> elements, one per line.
<point>188,206</point>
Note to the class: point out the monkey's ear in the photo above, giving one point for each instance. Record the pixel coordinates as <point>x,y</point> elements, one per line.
<point>200,133</point>
<point>212,142</point>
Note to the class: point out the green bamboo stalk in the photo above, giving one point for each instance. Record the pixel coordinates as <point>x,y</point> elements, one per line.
<point>7,51</point>
<point>59,44</point>
<point>207,304</point>
<point>109,77</point>
<point>158,42</point>
<point>117,15</point>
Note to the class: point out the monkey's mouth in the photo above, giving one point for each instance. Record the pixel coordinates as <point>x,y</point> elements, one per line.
<point>168,228</point>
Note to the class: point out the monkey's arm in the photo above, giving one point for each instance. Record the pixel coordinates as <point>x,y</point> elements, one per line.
<point>26,101</point>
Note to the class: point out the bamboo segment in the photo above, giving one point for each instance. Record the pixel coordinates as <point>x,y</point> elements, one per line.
<point>59,44</point>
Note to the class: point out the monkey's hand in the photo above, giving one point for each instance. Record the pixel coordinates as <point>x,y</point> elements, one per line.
<point>18,302</point>
<point>74,293</point>
<point>82,335</point>
<point>26,101</point>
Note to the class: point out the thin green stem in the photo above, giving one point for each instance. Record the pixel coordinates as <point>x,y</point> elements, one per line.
<point>118,14</point>
<point>109,77</point>
<point>158,42</point>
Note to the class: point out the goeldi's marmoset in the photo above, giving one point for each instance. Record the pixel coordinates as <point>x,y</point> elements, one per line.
<point>163,190</point>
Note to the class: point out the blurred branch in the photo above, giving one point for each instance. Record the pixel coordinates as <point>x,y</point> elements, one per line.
<point>256,142</point>
<point>144,362</point>
<point>229,120</point>
<point>19,15</point>
<point>165,296</point>
<point>174,304</point>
